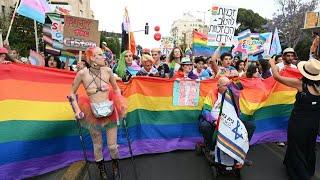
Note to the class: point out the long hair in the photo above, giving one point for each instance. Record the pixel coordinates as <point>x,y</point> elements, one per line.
<point>238,64</point>
<point>55,58</point>
<point>311,82</point>
<point>171,56</point>
<point>121,67</point>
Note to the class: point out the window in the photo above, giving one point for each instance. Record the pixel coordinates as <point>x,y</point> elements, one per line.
<point>81,13</point>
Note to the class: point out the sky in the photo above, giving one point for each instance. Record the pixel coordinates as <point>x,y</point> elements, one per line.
<point>163,13</point>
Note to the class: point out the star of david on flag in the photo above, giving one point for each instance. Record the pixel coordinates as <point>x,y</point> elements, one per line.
<point>232,136</point>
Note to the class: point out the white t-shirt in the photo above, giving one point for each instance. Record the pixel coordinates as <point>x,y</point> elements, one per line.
<point>216,107</point>
<point>281,66</point>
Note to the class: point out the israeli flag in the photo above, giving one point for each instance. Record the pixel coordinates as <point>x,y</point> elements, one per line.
<point>232,136</point>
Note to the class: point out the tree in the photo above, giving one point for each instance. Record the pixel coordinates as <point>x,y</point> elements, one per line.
<point>303,47</point>
<point>113,43</point>
<point>22,36</point>
<point>4,22</point>
<point>250,20</point>
<point>289,19</point>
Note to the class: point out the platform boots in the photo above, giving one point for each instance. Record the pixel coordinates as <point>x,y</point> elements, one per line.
<point>102,169</point>
<point>115,169</point>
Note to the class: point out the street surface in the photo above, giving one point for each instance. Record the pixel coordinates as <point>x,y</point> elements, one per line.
<point>186,165</point>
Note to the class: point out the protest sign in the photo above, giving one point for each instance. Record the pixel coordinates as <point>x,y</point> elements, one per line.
<point>222,25</point>
<point>56,27</point>
<point>312,20</point>
<point>80,33</point>
<point>186,93</point>
<point>254,45</point>
<point>62,9</point>
<point>167,44</point>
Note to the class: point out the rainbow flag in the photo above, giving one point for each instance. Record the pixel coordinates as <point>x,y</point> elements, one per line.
<point>34,9</point>
<point>38,133</point>
<point>200,45</point>
<point>269,104</point>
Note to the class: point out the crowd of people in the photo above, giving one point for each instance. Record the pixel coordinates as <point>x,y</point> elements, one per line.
<point>98,69</point>
<point>176,65</point>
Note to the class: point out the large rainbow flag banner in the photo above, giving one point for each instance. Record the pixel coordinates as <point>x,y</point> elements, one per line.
<point>38,133</point>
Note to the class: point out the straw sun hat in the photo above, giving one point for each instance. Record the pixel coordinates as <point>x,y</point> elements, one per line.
<point>310,69</point>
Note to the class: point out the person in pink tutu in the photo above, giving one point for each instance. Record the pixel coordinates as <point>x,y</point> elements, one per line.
<point>102,107</point>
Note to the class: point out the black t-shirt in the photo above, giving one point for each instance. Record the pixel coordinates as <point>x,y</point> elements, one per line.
<point>127,77</point>
<point>163,69</point>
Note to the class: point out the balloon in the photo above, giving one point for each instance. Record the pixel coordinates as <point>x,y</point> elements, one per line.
<point>157,28</point>
<point>157,36</point>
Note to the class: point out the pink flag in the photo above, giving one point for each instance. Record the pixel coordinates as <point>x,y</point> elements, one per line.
<point>36,58</point>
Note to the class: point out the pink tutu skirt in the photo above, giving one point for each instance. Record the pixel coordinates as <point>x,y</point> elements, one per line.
<point>90,120</point>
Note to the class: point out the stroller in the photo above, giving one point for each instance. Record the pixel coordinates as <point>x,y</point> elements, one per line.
<point>220,163</point>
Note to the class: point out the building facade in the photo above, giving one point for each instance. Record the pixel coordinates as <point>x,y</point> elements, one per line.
<point>181,29</point>
<point>79,8</point>
<point>6,7</point>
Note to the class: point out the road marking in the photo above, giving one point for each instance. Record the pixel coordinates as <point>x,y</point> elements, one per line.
<point>74,171</point>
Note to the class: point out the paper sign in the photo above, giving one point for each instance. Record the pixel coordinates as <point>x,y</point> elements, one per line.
<point>312,20</point>
<point>80,33</point>
<point>252,44</point>
<point>186,93</point>
<point>222,25</point>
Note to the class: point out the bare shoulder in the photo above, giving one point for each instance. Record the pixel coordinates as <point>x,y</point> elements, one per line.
<point>82,72</point>
<point>107,69</point>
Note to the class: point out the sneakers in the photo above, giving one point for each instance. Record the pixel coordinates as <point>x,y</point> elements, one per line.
<point>281,144</point>
<point>115,169</point>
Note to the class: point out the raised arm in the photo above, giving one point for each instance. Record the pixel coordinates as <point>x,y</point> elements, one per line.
<point>214,58</point>
<point>291,82</point>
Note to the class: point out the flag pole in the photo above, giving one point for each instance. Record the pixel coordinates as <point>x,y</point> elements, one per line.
<point>12,19</point>
<point>80,56</point>
<point>1,41</point>
<point>36,35</point>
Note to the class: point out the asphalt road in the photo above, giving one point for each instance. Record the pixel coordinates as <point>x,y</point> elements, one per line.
<point>186,165</point>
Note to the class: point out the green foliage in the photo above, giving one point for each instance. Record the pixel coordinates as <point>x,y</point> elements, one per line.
<point>303,47</point>
<point>113,44</point>
<point>289,19</point>
<point>250,20</point>
<point>22,36</point>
